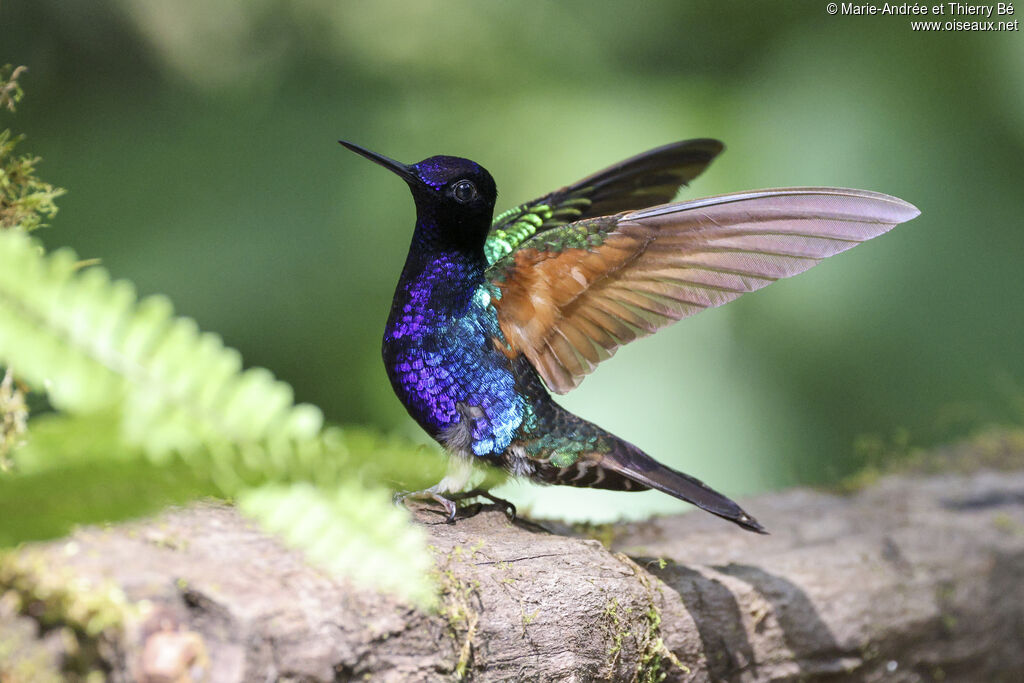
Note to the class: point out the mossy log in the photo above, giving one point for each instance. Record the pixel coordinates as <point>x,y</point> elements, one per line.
<point>913,578</point>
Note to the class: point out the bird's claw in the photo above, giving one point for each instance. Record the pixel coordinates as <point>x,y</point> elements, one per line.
<point>450,502</point>
<point>510,508</point>
<point>450,508</point>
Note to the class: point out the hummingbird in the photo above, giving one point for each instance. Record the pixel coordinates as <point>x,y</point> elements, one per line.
<point>491,314</point>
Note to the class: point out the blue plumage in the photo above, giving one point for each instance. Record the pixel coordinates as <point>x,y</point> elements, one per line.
<point>439,353</point>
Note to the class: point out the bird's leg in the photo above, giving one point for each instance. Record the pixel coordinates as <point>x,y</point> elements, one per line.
<point>448,492</point>
<point>459,472</point>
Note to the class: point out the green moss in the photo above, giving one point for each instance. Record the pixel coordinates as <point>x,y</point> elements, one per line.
<point>22,656</point>
<point>651,651</point>
<point>87,618</point>
<point>603,533</point>
<point>10,90</point>
<point>613,625</point>
<point>1007,524</point>
<point>13,418</point>
<point>945,593</point>
<point>997,448</point>
<point>455,605</point>
<point>25,200</point>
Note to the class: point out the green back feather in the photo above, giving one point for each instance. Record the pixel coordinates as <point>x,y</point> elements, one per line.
<point>653,177</point>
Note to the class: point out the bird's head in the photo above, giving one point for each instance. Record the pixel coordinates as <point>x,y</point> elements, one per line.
<point>455,195</point>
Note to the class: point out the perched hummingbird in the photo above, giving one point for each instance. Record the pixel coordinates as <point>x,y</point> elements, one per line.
<point>489,315</point>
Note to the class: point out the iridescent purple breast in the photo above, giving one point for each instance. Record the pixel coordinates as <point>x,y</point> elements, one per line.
<point>441,360</point>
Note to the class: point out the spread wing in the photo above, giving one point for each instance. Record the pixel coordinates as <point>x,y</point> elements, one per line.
<point>570,296</point>
<point>653,177</point>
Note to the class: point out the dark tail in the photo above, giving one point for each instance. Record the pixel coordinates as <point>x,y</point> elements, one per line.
<point>612,463</point>
<point>630,462</point>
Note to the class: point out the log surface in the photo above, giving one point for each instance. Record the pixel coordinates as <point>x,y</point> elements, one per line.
<point>915,578</point>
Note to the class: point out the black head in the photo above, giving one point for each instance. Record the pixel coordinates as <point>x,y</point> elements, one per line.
<point>454,195</point>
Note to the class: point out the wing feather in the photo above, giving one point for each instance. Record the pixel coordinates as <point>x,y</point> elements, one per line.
<point>581,342</point>
<point>608,332</point>
<point>571,295</point>
<point>650,178</point>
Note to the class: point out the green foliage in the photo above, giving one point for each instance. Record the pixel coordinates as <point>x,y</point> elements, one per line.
<point>24,199</point>
<point>75,470</point>
<point>372,546</point>
<point>151,411</point>
<point>94,348</point>
<point>138,388</point>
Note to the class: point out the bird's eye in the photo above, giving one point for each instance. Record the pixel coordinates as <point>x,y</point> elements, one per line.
<point>464,191</point>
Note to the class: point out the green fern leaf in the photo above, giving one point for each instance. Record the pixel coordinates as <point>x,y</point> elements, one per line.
<point>351,530</point>
<point>91,345</point>
<point>105,358</point>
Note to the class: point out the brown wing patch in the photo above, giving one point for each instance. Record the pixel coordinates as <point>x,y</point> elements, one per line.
<point>569,309</point>
<point>541,286</point>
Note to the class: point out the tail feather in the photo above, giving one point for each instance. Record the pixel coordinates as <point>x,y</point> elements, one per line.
<point>609,463</point>
<point>632,463</point>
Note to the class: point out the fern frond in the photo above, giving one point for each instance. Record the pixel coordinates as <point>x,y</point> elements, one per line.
<point>352,530</point>
<point>91,345</point>
<point>103,355</point>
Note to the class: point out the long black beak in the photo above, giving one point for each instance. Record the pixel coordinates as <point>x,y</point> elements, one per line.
<point>396,167</point>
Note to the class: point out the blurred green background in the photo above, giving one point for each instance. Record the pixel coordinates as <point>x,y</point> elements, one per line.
<point>197,142</point>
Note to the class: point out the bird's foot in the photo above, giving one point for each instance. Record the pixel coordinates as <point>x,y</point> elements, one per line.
<point>450,501</point>
<point>449,505</point>
<point>510,509</point>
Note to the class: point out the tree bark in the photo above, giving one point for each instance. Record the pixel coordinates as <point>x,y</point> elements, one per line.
<point>914,578</point>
